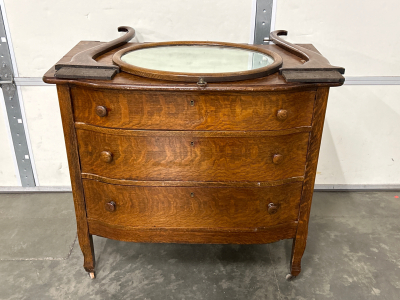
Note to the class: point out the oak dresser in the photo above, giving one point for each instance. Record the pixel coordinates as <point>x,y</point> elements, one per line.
<point>170,162</point>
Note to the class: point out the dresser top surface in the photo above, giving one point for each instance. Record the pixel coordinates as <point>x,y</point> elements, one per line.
<point>126,81</point>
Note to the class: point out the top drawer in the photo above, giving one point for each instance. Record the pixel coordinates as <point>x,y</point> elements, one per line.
<point>192,111</point>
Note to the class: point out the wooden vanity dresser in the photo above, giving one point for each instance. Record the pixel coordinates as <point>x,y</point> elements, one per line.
<point>160,161</point>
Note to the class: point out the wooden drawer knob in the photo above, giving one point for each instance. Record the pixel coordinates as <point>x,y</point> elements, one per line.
<point>110,206</point>
<point>101,111</point>
<point>281,115</point>
<point>272,208</point>
<point>277,159</point>
<point>106,156</point>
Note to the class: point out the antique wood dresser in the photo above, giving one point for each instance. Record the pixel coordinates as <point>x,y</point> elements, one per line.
<point>161,161</point>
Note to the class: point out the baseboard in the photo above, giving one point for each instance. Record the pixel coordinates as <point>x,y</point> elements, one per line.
<point>318,187</point>
<point>39,189</point>
<point>356,187</point>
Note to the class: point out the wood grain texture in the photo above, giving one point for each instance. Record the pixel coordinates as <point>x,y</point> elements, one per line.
<point>194,236</point>
<point>193,111</point>
<point>193,158</point>
<point>299,243</point>
<point>85,239</point>
<point>192,183</point>
<point>192,207</point>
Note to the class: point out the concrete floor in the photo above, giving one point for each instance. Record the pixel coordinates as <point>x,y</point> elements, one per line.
<point>353,252</point>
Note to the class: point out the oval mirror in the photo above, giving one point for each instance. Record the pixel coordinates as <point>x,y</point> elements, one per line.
<point>190,61</point>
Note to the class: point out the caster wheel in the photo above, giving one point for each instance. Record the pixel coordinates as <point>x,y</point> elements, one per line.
<point>290,277</point>
<point>91,275</point>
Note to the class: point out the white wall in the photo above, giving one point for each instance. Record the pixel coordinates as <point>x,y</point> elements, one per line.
<point>361,35</point>
<point>43,31</point>
<point>47,139</point>
<point>360,142</point>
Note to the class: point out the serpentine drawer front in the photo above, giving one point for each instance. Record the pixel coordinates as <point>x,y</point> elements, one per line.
<point>192,207</point>
<point>194,156</point>
<point>184,162</point>
<point>193,111</point>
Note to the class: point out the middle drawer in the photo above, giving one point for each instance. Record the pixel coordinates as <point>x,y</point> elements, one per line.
<point>191,156</point>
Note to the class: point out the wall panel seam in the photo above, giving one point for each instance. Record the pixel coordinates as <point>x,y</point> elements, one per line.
<point>7,125</point>
<point>273,15</point>
<point>9,39</point>
<point>12,92</point>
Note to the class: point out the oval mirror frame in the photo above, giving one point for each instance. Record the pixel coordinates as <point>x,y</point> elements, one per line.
<point>196,77</point>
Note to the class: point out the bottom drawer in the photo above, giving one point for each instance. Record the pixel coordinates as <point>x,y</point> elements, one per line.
<point>192,207</point>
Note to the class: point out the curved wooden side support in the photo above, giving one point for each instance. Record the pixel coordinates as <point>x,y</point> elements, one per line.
<point>84,66</point>
<point>316,68</point>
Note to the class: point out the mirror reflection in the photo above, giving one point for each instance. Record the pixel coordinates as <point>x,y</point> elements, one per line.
<point>197,59</point>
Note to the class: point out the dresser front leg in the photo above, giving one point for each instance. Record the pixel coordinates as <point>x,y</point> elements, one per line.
<point>67,116</point>
<point>86,243</point>
<point>295,260</point>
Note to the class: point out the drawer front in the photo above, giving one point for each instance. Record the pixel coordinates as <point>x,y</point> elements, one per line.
<point>192,207</point>
<point>196,111</point>
<point>190,156</point>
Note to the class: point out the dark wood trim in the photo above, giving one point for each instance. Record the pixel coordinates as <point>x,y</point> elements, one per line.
<point>191,183</point>
<point>194,236</point>
<point>86,58</point>
<point>125,81</point>
<point>85,239</point>
<point>194,77</point>
<point>313,60</point>
<point>316,68</point>
<point>159,133</point>
<point>299,243</point>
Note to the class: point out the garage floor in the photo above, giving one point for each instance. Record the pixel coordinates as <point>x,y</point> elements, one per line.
<point>353,252</point>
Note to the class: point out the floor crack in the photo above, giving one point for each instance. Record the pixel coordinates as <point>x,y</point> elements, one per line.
<point>44,258</point>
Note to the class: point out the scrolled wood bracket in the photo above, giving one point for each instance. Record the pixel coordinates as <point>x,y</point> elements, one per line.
<point>316,67</point>
<point>84,66</point>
